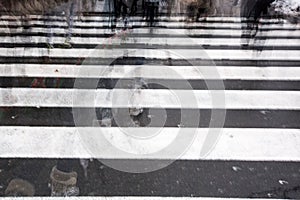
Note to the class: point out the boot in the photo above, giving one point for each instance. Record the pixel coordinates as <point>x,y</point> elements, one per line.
<point>63,183</point>
<point>67,44</point>
<point>135,111</point>
<point>19,187</point>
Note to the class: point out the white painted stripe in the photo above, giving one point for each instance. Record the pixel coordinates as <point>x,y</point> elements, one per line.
<point>152,72</point>
<point>273,33</point>
<point>5,17</point>
<point>225,32</point>
<point>218,25</point>
<point>165,24</point>
<point>150,98</point>
<point>136,18</point>
<point>73,142</point>
<point>56,30</point>
<point>193,41</point>
<point>124,198</point>
<point>100,24</point>
<point>238,19</point>
<point>175,18</point>
<point>54,17</point>
<point>288,55</point>
<point>154,41</point>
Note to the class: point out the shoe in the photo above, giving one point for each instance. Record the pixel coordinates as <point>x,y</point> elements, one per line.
<point>245,46</point>
<point>106,122</point>
<point>135,111</point>
<point>50,46</point>
<point>67,44</point>
<point>19,187</point>
<point>63,183</point>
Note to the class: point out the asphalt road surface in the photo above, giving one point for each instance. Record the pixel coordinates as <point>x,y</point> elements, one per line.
<point>185,76</point>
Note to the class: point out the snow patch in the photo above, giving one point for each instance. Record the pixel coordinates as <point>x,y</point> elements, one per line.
<point>287,7</point>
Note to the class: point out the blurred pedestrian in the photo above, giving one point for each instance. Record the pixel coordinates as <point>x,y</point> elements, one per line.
<point>152,7</point>
<point>253,10</point>
<point>134,7</point>
<point>198,8</point>
<point>228,8</point>
<point>65,9</point>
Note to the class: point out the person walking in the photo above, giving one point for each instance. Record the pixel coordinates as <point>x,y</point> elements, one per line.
<point>152,7</point>
<point>253,11</point>
<point>67,9</point>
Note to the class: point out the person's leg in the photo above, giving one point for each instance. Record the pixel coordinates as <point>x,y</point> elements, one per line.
<point>70,22</point>
<point>66,165</point>
<point>133,8</point>
<point>50,34</point>
<point>246,11</point>
<point>125,15</point>
<point>118,7</point>
<point>114,12</point>
<point>156,9</point>
<point>64,178</point>
<point>171,4</point>
<point>149,11</point>
<point>94,4</point>
<point>188,11</point>
<point>124,10</point>
<point>144,8</point>
<point>153,12</point>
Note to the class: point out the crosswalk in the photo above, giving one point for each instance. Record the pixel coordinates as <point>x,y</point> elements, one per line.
<point>200,88</point>
<point>124,198</point>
